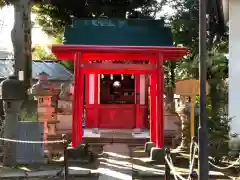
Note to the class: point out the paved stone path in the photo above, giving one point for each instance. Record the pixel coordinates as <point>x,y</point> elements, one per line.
<point>115,163</point>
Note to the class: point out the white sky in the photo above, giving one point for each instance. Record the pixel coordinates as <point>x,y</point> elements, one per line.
<point>6,25</point>
<point>38,36</point>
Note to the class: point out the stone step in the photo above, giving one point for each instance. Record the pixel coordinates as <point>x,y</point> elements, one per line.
<point>105,140</point>
<point>139,153</point>
<point>116,163</point>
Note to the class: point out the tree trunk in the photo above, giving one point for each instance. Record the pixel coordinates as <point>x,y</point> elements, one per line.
<point>21,39</point>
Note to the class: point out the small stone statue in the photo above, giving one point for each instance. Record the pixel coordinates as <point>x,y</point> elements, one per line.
<point>66,91</point>
<point>42,87</point>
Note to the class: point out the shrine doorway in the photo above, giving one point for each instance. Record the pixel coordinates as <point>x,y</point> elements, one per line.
<point>117,101</point>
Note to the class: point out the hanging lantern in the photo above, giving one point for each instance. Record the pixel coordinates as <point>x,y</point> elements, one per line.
<point>111,77</point>
<point>102,76</point>
<point>122,77</point>
<point>132,76</point>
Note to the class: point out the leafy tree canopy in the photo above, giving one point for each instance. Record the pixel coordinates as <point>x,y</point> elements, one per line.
<point>42,53</point>
<point>53,17</point>
<point>185,29</point>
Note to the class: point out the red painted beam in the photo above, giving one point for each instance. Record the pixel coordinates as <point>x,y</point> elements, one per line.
<point>96,68</point>
<point>117,49</point>
<point>169,53</point>
<point>113,67</point>
<point>102,71</point>
<point>120,56</point>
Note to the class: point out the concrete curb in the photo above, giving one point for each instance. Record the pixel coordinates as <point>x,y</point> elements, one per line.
<point>185,175</point>
<point>59,172</point>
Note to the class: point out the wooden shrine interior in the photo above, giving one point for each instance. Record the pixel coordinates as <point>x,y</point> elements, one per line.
<point>117,89</point>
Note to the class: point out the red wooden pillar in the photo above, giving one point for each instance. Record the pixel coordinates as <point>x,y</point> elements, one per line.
<point>153,107</point>
<point>78,102</point>
<point>137,102</point>
<point>160,104</point>
<point>92,99</point>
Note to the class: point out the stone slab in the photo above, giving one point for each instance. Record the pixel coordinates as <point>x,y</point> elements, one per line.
<point>149,146</point>
<point>79,171</point>
<point>142,135</point>
<point>117,164</point>
<point>14,173</point>
<point>157,154</point>
<point>43,173</point>
<point>91,134</point>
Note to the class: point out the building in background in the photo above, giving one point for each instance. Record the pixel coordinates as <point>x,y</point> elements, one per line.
<point>231,10</point>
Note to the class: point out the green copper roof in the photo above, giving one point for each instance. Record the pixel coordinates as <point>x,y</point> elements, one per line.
<point>118,32</point>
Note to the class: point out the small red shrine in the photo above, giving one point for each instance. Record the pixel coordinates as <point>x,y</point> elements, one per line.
<point>116,86</point>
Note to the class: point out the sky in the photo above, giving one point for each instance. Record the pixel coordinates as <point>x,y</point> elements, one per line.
<point>6,25</point>
<point>38,36</point>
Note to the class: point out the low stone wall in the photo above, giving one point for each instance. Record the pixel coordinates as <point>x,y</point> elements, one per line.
<point>28,153</point>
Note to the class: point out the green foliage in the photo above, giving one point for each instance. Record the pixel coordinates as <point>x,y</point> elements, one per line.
<point>234,146</point>
<point>5,3</point>
<point>28,117</point>
<point>2,3</point>
<point>55,16</point>
<point>185,28</point>
<point>51,19</point>
<point>42,53</point>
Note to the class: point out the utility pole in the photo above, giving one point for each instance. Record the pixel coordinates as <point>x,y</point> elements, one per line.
<point>202,130</point>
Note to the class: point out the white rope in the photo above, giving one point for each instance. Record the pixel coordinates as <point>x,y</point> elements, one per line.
<point>192,162</point>
<point>172,168</point>
<point>223,168</point>
<point>227,167</point>
<point>33,142</point>
<point>175,174</point>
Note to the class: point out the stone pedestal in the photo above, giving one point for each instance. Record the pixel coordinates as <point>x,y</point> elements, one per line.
<point>149,146</point>
<point>157,154</point>
<point>12,94</point>
<point>12,112</point>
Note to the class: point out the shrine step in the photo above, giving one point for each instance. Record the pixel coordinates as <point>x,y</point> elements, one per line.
<point>116,133</point>
<point>105,140</point>
<point>82,155</point>
<point>115,163</point>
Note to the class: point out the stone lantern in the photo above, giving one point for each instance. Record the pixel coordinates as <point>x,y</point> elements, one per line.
<point>64,114</point>
<point>43,91</point>
<point>12,94</point>
<point>184,112</point>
